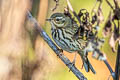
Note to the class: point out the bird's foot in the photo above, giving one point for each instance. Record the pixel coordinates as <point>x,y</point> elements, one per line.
<point>71,65</point>
<point>60,54</point>
<point>73,62</point>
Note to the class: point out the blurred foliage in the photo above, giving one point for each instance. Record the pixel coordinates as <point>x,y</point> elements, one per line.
<point>35,8</point>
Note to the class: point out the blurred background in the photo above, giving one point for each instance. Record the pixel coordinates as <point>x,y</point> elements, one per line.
<point>24,55</point>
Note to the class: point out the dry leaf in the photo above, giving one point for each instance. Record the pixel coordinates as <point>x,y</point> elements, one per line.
<point>94,18</point>
<point>107,29</point>
<point>100,15</point>
<point>108,26</point>
<point>114,38</point>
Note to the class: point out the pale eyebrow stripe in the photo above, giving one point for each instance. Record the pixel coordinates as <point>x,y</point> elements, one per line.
<point>59,17</point>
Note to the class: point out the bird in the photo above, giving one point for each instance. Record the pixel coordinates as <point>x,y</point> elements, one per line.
<point>63,31</point>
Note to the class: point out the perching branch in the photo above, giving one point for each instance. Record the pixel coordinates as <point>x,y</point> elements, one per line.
<point>44,35</point>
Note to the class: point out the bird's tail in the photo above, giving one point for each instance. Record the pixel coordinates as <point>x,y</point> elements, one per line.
<point>87,65</point>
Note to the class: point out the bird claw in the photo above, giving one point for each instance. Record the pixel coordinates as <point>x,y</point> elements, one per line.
<point>72,64</point>
<point>60,54</point>
<point>60,50</point>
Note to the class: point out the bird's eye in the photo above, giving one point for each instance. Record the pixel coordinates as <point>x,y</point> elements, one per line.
<point>57,19</point>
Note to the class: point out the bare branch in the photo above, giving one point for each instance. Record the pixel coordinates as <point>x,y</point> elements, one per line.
<point>110,69</point>
<point>75,14</point>
<point>117,71</point>
<point>116,4</point>
<point>57,3</point>
<point>66,61</point>
<point>110,4</point>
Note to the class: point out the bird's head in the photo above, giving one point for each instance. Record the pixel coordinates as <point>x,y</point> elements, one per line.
<point>59,20</point>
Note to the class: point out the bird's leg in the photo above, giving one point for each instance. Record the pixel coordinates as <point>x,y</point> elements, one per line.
<point>85,56</point>
<point>73,62</point>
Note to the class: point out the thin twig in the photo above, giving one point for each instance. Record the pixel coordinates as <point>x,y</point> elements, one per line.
<point>116,4</point>
<point>75,14</point>
<point>117,71</point>
<point>117,66</point>
<point>110,4</point>
<point>66,61</point>
<point>57,3</point>
<point>94,6</point>
<point>110,69</point>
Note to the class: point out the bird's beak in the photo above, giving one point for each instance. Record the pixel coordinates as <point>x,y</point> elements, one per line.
<point>48,19</point>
